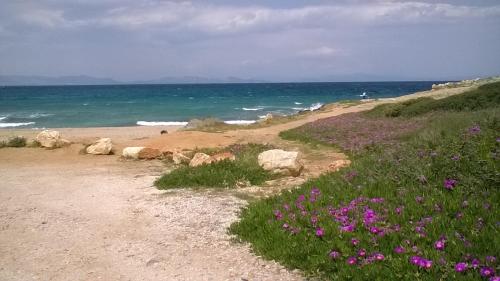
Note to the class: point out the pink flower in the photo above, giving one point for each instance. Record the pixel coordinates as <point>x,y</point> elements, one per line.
<point>319,232</point>
<point>362,253</point>
<point>354,241</point>
<point>487,271</point>
<point>439,245</point>
<point>334,255</point>
<point>351,261</point>
<point>460,267</point>
<point>450,183</point>
<point>379,256</point>
<point>399,250</point>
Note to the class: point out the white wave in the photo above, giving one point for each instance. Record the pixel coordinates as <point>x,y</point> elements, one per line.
<point>262,116</point>
<point>298,103</point>
<point>39,115</point>
<point>85,104</point>
<point>3,117</point>
<point>316,106</point>
<point>298,108</point>
<point>161,123</point>
<point>252,109</point>
<point>7,125</point>
<point>240,122</point>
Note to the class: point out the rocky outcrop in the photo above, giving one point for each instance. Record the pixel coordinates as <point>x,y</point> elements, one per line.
<point>180,158</point>
<point>266,118</point>
<point>281,162</point>
<point>223,156</point>
<point>51,139</point>
<point>200,159</point>
<point>338,164</point>
<point>149,153</point>
<point>100,147</point>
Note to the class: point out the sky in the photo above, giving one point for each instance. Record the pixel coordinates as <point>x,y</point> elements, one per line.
<point>280,40</point>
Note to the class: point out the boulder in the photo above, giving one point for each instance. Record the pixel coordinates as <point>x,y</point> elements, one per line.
<point>149,153</point>
<point>281,162</point>
<point>132,152</point>
<point>266,118</point>
<point>338,164</point>
<point>100,147</point>
<point>200,159</point>
<point>51,139</point>
<point>223,156</point>
<point>180,158</point>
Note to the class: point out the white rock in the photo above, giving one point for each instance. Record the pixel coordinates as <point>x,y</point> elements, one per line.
<point>180,158</point>
<point>281,162</point>
<point>102,146</point>
<point>200,159</point>
<point>132,152</point>
<point>51,139</point>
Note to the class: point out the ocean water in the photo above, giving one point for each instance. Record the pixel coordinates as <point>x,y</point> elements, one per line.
<point>146,105</point>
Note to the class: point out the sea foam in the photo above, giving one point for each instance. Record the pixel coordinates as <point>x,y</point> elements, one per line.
<point>252,109</point>
<point>240,122</point>
<point>8,125</point>
<point>161,123</point>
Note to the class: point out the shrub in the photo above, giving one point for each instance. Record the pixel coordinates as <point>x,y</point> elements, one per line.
<point>223,174</point>
<point>418,210</point>
<point>14,142</point>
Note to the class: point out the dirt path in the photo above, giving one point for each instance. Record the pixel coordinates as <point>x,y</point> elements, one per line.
<point>98,218</point>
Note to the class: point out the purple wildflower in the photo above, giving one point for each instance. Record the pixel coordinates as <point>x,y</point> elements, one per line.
<point>379,256</point>
<point>278,215</point>
<point>362,253</point>
<point>487,271</point>
<point>286,226</point>
<point>354,241</point>
<point>495,278</point>
<point>450,183</point>
<point>475,263</point>
<point>419,199</point>
<point>474,130</point>
<point>491,259</point>
<point>460,267</point>
<point>347,228</point>
<point>399,250</point>
<point>440,244</point>
<point>334,255</point>
<point>351,261</point>
<point>455,157</point>
<point>320,232</point>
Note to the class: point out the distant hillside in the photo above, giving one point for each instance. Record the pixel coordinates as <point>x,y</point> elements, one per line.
<point>19,80</point>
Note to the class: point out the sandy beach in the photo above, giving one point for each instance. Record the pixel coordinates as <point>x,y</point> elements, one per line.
<point>69,216</point>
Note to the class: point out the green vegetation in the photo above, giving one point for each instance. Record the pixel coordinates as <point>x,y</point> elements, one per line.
<point>14,142</point>
<point>424,208</point>
<point>486,96</point>
<point>223,174</point>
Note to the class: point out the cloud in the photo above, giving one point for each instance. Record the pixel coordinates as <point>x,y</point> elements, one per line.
<point>211,18</point>
<point>320,52</point>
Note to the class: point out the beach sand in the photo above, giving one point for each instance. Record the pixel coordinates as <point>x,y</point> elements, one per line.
<point>68,216</point>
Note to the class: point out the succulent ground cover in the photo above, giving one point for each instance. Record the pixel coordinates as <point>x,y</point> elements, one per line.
<point>422,207</point>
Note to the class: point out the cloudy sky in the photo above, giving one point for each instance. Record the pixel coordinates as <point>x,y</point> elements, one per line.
<point>281,40</point>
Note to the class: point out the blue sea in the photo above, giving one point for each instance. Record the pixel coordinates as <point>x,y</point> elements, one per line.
<point>148,105</point>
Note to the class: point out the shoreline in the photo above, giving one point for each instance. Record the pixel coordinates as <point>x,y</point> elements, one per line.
<point>150,135</point>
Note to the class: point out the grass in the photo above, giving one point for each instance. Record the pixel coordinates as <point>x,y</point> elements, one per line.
<point>486,96</point>
<point>223,174</point>
<point>386,216</point>
<point>14,142</point>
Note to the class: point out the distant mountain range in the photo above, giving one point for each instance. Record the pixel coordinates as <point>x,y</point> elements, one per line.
<point>20,80</point>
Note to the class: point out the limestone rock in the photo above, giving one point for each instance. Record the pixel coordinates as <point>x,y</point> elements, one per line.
<point>51,139</point>
<point>100,147</point>
<point>200,159</point>
<point>180,158</point>
<point>132,152</point>
<point>149,153</point>
<point>281,162</point>
<point>223,156</point>
<point>338,164</point>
